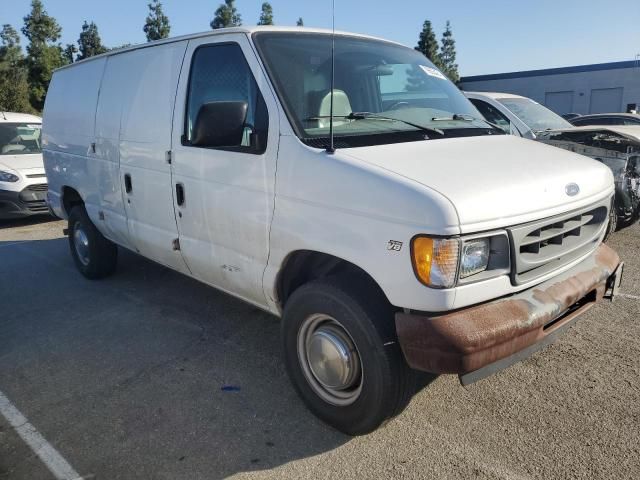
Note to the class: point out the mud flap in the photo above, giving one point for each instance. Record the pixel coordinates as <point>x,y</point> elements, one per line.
<point>614,282</point>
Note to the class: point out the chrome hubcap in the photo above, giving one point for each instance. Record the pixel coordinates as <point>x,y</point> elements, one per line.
<point>81,244</point>
<point>330,360</point>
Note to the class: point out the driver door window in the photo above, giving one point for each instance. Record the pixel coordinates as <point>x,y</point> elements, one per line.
<point>220,73</point>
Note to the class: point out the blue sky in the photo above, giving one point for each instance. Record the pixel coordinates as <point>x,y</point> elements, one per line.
<point>492,35</point>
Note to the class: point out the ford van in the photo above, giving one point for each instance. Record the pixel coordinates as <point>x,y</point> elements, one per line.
<point>357,195</point>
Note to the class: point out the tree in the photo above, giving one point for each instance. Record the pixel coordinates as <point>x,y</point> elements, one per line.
<point>69,52</point>
<point>14,87</point>
<point>43,54</point>
<point>157,24</point>
<point>266,16</point>
<point>89,43</point>
<point>448,55</point>
<point>427,43</point>
<point>226,16</point>
<point>300,22</point>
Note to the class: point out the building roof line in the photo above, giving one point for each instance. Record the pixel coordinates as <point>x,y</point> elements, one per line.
<point>553,71</point>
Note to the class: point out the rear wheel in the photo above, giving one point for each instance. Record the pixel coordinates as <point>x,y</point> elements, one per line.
<point>342,356</point>
<point>94,255</point>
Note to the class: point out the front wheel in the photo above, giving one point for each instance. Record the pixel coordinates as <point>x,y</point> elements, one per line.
<point>342,355</point>
<point>94,255</point>
<point>612,223</point>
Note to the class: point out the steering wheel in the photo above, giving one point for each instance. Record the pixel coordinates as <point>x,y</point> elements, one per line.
<point>399,106</point>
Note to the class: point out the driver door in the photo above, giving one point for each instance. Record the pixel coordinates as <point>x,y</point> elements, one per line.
<point>224,196</point>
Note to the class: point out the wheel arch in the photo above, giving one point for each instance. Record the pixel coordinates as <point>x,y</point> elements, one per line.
<point>303,266</point>
<point>70,198</point>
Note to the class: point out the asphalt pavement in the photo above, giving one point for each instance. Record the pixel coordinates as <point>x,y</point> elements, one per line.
<point>151,375</point>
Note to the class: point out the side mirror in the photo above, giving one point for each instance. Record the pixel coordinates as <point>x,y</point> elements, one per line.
<point>220,124</point>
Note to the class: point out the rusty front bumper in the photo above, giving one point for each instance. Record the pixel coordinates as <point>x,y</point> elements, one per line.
<point>478,341</point>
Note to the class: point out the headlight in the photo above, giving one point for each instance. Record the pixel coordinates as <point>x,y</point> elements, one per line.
<point>447,262</point>
<point>475,257</point>
<point>8,177</point>
<point>435,260</point>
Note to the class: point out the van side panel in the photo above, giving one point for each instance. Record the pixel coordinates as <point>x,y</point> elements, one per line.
<point>68,132</point>
<point>107,138</point>
<point>149,78</point>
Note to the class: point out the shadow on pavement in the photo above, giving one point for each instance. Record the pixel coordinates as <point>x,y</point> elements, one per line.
<point>27,221</point>
<point>147,374</point>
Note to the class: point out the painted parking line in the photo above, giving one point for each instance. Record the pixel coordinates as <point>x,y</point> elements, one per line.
<point>57,465</point>
<point>626,295</point>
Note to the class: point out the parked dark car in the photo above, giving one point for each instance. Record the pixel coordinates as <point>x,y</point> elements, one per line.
<point>570,116</point>
<point>606,119</point>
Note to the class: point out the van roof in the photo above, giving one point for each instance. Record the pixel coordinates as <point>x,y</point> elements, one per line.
<point>226,31</point>
<point>13,117</point>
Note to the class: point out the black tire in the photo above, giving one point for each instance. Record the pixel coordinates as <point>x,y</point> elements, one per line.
<point>99,258</point>
<point>387,383</point>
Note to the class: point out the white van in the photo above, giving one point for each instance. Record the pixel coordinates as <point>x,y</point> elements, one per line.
<point>426,240</point>
<point>23,183</point>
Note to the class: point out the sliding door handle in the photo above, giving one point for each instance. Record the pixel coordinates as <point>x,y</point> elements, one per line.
<point>127,183</point>
<point>180,194</point>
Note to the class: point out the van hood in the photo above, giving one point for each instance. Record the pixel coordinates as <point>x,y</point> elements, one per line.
<point>495,181</point>
<point>22,162</point>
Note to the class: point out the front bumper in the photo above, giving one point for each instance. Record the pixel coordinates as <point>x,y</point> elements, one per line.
<point>478,341</point>
<point>29,201</point>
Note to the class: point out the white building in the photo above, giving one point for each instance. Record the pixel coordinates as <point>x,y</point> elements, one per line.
<point>599,88</point>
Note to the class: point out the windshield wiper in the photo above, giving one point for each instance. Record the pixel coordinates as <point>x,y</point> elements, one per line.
<point>463,117</point>
<point>375,116</point>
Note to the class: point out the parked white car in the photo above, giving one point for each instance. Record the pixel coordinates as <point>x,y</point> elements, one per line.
<point>427,239</point>
<point>23,183</point>
<point>618,147</point>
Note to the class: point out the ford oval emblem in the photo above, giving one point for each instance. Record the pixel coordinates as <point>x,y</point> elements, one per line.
<point>572,189</point>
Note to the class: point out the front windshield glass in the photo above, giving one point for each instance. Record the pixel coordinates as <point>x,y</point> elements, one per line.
<point>20,138</point>
<point>373,79</point>
<point>534,115</point>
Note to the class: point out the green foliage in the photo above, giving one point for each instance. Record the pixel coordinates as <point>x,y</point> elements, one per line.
<point>43,54</point>
<point>14,87</point>
<point>300,22</point>
<point>448,55</point>
<point>266,16</point>
<point>157,23</point>
<point>69,52</point>
<point>427,43</point>
<point>444,57</point>
<point>226,16</point>
<point>89,43</point>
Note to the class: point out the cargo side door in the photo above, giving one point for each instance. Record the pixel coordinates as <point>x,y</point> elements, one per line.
<point>150,76</point>
<point>225,194</point>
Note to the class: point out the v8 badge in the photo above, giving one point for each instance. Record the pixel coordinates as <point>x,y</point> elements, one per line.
<point>394,245</point>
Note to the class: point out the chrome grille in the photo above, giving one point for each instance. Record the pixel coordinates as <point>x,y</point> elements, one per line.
<point>543,246</point>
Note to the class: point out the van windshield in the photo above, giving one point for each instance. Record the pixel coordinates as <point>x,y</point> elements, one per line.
<point>20,138</point>
<point>383,92</point>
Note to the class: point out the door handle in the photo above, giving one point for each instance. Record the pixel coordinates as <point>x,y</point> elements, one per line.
<point>127,183</point>
<point>180,194</point>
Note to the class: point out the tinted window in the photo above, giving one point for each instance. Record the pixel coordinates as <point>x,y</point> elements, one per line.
<point>19,138</point>
<point>220,73</point>
<point>492,114</point>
